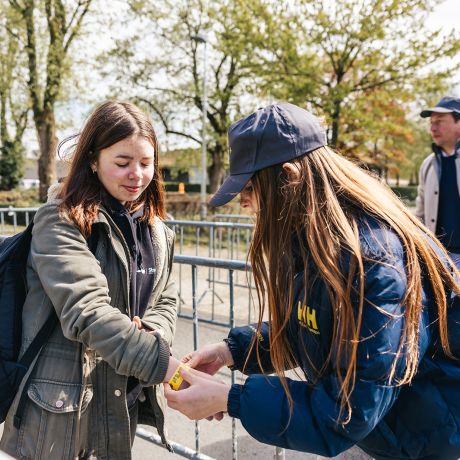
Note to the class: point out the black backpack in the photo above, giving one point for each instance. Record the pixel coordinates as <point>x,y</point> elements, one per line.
<point>14,251</point>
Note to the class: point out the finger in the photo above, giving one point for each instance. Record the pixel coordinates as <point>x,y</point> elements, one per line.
<point>192,359</point>
<point>187,375</point>
<point>137,321</point>
<point>186,358</point>
<point>219,416</point>
<point>170,394</point>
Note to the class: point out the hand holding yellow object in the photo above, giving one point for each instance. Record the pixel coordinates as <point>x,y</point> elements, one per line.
<point>176,379</point>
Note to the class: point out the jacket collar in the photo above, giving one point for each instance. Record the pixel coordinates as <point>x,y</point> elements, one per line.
<point>438,150</point>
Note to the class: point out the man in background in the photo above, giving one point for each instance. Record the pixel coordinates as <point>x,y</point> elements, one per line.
<point>438,198</point>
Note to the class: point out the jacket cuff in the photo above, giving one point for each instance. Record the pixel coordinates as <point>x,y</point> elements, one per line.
<point>234,350</point>
<point>163,359</point>
<point>233,402</point>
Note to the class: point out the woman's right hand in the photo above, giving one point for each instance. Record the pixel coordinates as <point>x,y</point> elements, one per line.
<point>210,358</point>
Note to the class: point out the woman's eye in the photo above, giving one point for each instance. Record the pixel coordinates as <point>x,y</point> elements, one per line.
<point>146,165</point>
<point>122,165</point>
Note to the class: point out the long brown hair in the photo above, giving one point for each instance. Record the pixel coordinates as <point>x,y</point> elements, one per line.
<point>108,124</point>
<point>320,211</point>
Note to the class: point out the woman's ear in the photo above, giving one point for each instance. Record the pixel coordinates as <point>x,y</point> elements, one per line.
<point>292,172</point>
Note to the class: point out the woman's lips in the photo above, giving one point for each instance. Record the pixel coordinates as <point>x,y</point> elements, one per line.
<point>132,189</point>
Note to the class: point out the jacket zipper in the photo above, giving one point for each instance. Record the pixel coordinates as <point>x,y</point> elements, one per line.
<point>120,256</point>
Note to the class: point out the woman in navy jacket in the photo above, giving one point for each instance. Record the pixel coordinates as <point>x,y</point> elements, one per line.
<point>360,298</point>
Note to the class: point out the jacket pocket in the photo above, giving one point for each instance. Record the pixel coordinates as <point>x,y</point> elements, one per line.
<point>52,419</point>
<point>59,397</point>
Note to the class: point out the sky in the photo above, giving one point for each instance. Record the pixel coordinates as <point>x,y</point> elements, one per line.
<point>446,15</point>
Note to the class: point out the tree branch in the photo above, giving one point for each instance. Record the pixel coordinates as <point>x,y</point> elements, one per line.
<point>163,120</point>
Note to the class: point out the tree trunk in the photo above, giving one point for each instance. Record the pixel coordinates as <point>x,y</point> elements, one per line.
<point>216,169</point>
<point>415,173</point>
<point>46,132</point>
<point>3,127</point>
<point>335,124</point>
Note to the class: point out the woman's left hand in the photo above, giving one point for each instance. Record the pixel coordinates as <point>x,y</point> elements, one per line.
<point>205,397</point>
<point>138,322</point>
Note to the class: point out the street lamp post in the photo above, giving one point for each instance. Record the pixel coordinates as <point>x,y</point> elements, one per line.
<point>201,38</point>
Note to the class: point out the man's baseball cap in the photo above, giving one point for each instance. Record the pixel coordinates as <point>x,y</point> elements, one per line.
<point>447,104</point>
<point>269,136</point>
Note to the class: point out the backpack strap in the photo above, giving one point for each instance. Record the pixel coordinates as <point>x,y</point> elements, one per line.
<point>32,351</point>
<point>37,344</point>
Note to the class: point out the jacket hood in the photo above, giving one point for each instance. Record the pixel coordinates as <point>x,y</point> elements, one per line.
<point>53,193</point>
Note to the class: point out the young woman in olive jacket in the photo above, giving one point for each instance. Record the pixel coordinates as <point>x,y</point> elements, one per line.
<point>101,258</point>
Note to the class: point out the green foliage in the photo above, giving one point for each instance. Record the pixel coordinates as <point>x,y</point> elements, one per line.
<point>181,160</point>
<point>407,194</point>
<point>11,165</point>
<point>19,198</point>
<point>14,106</point>
<point>416,151</point>
<point>363,65</point>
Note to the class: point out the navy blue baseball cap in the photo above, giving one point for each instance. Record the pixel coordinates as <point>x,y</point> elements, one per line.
<point>269,136</point>
<point>447,104</point>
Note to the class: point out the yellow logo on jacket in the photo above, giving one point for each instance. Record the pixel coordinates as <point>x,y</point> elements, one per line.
<point>307,317</point>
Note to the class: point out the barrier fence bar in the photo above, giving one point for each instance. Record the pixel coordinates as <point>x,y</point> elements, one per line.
<point>232,324</point>
<point>195,342</point>
<point>179,449</point>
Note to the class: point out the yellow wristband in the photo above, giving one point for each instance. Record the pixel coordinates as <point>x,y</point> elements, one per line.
<point>176,379</point>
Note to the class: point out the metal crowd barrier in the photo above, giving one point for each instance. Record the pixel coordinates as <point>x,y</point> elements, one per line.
<point>217,240</point>
<point>9,224</point>
<point>221,240</point>
<point>225,240</point>
<point>232,217</point>
<point>231,266</point>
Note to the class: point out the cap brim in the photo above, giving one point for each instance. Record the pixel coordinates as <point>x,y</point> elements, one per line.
<point>229,189</point>
<point>427,113</point>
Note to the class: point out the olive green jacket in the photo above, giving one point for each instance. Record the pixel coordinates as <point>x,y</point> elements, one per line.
<point>76,401</point>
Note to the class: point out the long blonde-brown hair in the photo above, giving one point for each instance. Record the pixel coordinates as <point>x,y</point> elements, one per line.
<point>109,123</point>
<point>320,212</point>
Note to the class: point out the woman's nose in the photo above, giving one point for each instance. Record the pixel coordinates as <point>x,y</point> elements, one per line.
<point>135,173</point>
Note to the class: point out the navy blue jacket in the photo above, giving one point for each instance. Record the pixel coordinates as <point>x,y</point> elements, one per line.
<point>416,421</point>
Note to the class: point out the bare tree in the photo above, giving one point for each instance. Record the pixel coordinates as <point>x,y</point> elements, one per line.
<point>61,21</point>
